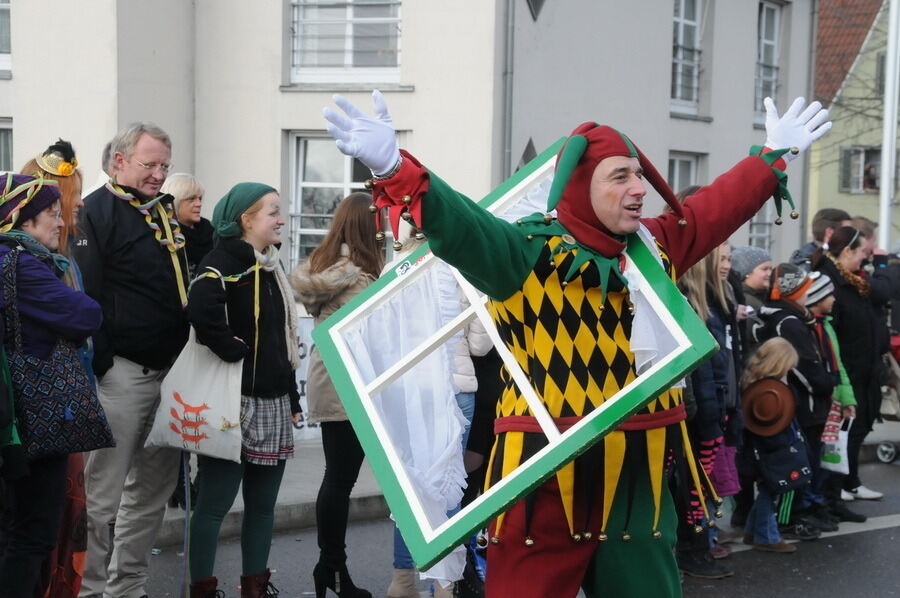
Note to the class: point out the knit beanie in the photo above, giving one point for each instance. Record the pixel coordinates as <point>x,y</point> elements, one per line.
<point>820,289</point>
<point>227,212</point>
<point>22,197</point>
<point>570,192</point>
<point>745,259</point>
<point>790,282</point>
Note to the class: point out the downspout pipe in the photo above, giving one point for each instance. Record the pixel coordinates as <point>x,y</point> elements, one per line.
<point>509,42</point>
<point>889,127</point>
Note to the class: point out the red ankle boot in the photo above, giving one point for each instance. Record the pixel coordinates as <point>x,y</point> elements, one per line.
<point>258,586</point>
<point>206,588</point>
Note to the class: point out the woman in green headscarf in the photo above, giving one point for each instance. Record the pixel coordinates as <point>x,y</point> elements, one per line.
<point>252,316</point>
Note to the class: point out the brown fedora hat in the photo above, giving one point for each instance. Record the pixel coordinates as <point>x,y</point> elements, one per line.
<point>768,406</point>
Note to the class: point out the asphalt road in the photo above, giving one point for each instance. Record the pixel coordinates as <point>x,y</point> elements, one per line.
<point>860,561</point>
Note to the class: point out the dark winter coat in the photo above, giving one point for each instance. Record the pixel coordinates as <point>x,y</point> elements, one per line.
<point>131,275</point>
<point>198,241</point>
<point>860,330</point>
<point>811,381</point>
<point>271,375</point>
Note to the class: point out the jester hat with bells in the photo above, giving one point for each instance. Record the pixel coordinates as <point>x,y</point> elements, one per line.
<point>570,193</point>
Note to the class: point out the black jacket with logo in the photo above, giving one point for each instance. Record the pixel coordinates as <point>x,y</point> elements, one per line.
<point>132,276</point>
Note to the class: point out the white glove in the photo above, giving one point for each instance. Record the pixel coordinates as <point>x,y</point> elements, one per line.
<point>798,128</point>
<point>371,140</point>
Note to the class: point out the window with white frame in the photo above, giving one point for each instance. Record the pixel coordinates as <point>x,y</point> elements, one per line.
<point>5,37</point>
<point>761,227</point>
<point>686,37</point>
<point>321,177</point>
<point>6,162</point>
<point>351,41</point>
<point>767,50</point>
<point>683,168</point>
<point>860,169</point>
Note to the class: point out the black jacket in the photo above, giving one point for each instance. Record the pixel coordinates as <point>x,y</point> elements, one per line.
<point>274,376</point>
<point>811,381</point>
<point>198,242</point>
<point>860,328</point>
<point>131,275</point>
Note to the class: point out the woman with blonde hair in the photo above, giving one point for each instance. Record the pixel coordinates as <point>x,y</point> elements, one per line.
<point>346,262</point>
<point>187,193</point>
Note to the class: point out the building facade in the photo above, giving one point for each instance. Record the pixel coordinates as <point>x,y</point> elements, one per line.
<point>475,87</point>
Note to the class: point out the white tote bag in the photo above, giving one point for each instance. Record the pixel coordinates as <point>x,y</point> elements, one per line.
<point>200,405</point>
<point>834,447</point>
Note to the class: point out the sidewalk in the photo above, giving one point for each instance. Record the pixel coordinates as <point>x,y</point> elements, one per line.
<point>296,506</point>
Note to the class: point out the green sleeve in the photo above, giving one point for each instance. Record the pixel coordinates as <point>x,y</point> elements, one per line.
<point>843,392</point>
<point>492,254</point>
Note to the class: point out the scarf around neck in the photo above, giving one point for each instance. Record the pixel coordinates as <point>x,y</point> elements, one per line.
<point>38,249</point>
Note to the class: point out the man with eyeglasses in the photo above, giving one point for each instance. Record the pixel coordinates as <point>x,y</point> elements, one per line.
<point>132,256</point>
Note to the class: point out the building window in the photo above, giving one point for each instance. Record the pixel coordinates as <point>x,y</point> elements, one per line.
<point>860,169</point>
<point>322,176</point>
<point>6,162</point>
<point>768,29</point>
<point>880,60</point>
<point>352,41</point>
<point>686,56</point>
<point>683,169</point>
<point>761,227</point>
<point>5,37</point>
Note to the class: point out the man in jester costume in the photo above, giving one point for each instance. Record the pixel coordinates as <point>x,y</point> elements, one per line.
<point>561,303</point>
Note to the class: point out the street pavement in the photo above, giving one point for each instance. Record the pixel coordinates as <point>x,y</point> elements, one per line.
<point>858,560</point>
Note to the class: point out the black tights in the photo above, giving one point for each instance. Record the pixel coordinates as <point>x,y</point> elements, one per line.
<point>343,458</point>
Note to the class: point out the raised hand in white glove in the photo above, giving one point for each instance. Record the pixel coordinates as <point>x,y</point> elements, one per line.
<point>797,128</point>
<point>371,140</point>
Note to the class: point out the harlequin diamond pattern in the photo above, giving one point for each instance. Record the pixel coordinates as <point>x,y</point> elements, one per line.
<point>576,353</point>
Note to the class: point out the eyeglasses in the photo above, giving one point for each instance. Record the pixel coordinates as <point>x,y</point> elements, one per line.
<point>153,166</point>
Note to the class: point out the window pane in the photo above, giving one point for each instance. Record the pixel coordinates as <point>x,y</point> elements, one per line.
<point>375,44</point>
<point>685,174</point>
<point>5,149</point>
<point>689,38</point>
<point>690,10</point>
<point>360,172</point>
<point>316,201</point>
<point>374,10</point>
<point>678,8</point>
<point>322,45</point>
<point>322,162</point>
<point>4,31</point>
<point>769,29</point>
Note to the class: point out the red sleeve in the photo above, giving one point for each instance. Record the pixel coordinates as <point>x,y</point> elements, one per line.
<point>714,212</point>
<point>410,183</point>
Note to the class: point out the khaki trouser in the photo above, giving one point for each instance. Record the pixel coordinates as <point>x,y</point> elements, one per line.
<point>128,484</point>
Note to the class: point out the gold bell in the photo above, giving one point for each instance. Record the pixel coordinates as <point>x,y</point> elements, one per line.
<point>406,216</point>
<point>565,283</point>
<point>602,537</point>
<point>779,221</point>
<point>379,236</point>
<point>495,540</point>
<point>548,218</point>
<point>481,540</point>
<point>519,222</point>
<point>529,542</point>
<point>406,199</point>
<point>626,537</point>
<point>587,535</point>
<point>576,537</point>
<point>711,524</point>
<point>530,237</point>
<point>698,529</point>
<point>656,534</point>
<point>420,235</point>
<point>368,183</point>
<point>795,150</point>
<point>373,208</point>
<point>719,514</point>
<point>720,501</point>
<point>398,245</point>
<point>795,214</point>
<point>682,222</point>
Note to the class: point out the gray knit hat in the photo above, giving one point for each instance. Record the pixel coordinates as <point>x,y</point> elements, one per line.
<point>745,259</point>
<point>820,289</point>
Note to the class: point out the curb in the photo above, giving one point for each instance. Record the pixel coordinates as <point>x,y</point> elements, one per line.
<point>296,516</point>
<point>287,517</point>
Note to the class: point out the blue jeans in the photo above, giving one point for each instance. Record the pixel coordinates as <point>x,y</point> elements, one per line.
<point>402,558</point>
<point>761,518</point>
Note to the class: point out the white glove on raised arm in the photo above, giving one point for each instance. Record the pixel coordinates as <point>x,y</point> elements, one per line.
<point>797,128</point>
<point>371,140</point>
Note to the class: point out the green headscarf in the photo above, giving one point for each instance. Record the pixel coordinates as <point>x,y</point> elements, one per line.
<point>228,211</point>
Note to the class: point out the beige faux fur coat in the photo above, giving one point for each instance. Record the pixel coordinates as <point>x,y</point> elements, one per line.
<point>323,294</point>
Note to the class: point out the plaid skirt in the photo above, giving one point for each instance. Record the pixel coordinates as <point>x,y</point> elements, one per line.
<point>267,433</point>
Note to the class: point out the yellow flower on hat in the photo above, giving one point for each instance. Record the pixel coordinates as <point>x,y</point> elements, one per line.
<point>65,168</point>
